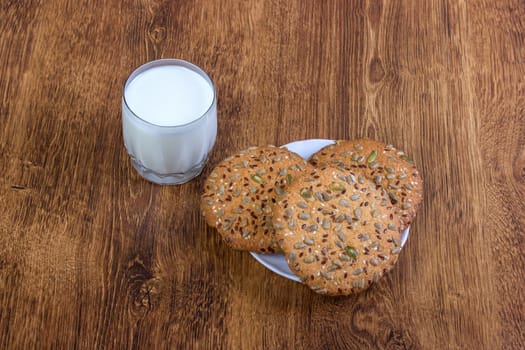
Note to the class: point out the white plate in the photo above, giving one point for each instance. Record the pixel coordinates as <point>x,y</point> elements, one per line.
<point>277,262</point>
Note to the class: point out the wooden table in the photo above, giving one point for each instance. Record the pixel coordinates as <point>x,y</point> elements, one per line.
<point>93,257</point>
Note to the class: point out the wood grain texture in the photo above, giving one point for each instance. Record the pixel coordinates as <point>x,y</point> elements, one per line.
<point>92,256</point>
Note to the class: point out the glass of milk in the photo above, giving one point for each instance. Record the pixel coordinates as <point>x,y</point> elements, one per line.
<point>169,120</point>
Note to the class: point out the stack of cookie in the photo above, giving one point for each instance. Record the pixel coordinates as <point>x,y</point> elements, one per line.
<point>338,219</point>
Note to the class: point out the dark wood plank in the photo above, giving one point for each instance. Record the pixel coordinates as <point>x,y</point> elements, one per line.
<point>92,256</point>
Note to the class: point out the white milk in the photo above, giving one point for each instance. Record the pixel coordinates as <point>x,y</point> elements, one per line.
<point>177,120</point>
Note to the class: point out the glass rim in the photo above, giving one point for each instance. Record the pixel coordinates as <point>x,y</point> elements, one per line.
<point>168,62</point>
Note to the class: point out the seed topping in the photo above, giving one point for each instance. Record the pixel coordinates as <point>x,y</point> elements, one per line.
<point>351,252</point>
<point>372,156</point>
<point>257,179</point>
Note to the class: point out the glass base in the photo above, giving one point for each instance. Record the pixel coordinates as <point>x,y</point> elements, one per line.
<point>168,179</point>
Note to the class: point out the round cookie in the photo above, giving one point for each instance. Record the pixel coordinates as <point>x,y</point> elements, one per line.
<point>240,192</point>
<point>389,168</point>
<point>338,232</point>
